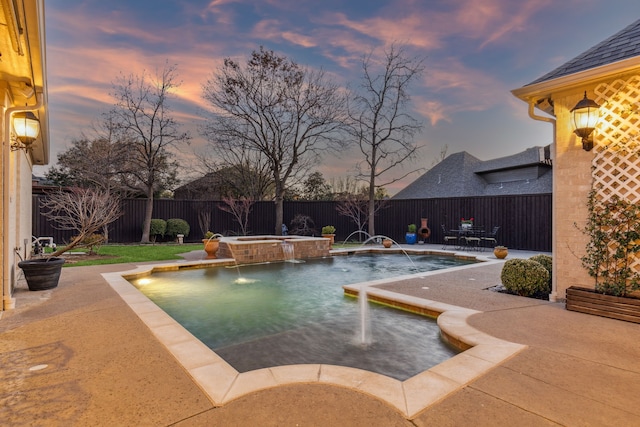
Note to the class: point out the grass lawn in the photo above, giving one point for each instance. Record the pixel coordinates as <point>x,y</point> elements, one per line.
<point>117,254</point>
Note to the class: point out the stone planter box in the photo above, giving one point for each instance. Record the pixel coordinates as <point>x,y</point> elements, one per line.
<point>585,300</point>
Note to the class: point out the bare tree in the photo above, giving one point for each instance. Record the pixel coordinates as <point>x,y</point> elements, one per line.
<point>204,217</point>
<point>381,126</point>
<point>95,161</point>
<point>84,210</point>
<point>240,209</point>
<point>239,173</point>
<point>441,156</point>
<point>144,120</point>
<point>276,113</point>
<point>355,207</point>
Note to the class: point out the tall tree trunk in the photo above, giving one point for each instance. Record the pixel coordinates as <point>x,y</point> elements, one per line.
<point>105,233</point>
<point>148,214</point>
<point>372,203</point>
<point>279,214</point>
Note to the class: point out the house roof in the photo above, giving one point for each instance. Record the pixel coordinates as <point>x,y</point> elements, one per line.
<point>206,187</point>
<point>463,175</point>
<point>622,45</point>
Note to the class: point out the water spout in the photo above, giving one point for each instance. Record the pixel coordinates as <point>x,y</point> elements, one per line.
<point>365,336</point>
<point>379,237</point>
<point>358,232</point>
<point>288,251</point>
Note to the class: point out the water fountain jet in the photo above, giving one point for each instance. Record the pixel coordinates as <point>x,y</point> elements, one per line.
<point>382,237</point>
<point>366,337</point>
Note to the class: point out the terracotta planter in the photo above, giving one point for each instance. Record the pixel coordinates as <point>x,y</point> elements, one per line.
<point>331,237</point>
<point>211,247</point>
<point>500,253</point>
<point>41,273</point>
<point>387,243</point>
<point>585,300</point>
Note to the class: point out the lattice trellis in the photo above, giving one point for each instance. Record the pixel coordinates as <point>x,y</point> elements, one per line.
<point>616,165</point>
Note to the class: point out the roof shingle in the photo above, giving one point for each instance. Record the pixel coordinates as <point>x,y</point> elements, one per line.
<point>463,175</point>
<point>622,45</point>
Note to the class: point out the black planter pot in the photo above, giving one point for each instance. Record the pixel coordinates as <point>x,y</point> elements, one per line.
<point>41,273</point>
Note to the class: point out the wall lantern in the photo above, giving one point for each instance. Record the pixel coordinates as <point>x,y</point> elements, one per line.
<point>26,127</point>
<point>585,116</point>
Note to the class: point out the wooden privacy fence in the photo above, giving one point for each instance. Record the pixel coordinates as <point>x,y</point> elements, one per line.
<point>525,220</point>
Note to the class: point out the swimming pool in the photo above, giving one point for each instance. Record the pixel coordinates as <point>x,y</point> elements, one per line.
<point>276,314</point>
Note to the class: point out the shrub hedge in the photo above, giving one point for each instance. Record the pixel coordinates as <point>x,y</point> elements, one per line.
<point>158,228</point>
<point>525,277</point>
<point>547,262</point>
<point>176,226</point>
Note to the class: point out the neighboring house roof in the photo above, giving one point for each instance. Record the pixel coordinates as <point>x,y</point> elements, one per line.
<point>622,45</point>
<point>204,188</point>
<point>463,175</point>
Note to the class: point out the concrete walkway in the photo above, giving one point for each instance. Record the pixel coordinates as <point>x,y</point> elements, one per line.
<point>78,355</point>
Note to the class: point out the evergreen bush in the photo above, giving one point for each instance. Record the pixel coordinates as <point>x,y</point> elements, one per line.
<point>547,262</point>
<point>158,228</point>
<point>176,226</point>
<point>525,277</point>
<point>328,229</point>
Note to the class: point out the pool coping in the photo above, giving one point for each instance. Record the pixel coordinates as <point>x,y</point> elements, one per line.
<point>222,383</point>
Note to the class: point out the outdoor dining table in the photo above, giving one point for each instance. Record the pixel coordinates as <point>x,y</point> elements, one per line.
<point>469,237</point>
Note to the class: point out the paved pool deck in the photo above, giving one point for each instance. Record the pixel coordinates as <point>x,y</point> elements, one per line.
<point>81,355</point>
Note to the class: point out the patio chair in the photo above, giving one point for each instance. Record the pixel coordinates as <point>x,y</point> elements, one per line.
<point>448,237</point>
<point>473,242</point>
<point>491,238</point>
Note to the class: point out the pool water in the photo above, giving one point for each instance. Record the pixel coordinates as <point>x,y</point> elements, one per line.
<point>257,316</point>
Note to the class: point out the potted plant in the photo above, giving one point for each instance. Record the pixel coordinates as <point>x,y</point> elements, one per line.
<point>42,273</point>
<point>613,227</point>
<point>500,252</point>
<point>211,243</point>
<point>411,237</point>
<point>329,232</point>
<point>84,210</point>
<point>466,224</point>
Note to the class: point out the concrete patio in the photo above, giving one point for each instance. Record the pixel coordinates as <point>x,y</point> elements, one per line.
<point>79,355</point>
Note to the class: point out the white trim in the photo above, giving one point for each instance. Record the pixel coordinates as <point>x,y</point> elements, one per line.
<point>546,88</point>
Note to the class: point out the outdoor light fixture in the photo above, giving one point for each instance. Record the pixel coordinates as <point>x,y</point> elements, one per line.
<point>585,116</point>
<point>26,127</point>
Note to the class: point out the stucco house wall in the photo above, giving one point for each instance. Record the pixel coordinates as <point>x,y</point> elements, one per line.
<point>22,88</point>
<point>572,184</point>
<point>606,73</point>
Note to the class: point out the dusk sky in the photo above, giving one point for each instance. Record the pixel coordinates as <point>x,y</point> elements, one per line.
<point>476,52</point>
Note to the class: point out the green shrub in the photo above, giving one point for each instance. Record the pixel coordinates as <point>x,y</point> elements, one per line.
<point>158,228</point>
<point>412,228</point>
<point>525,277</point>
<point>328,229</point>
<point>547,262</point>
<point>176,226</point>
